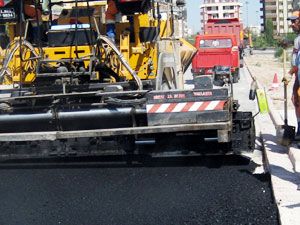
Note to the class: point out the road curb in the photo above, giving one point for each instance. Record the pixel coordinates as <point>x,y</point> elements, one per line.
<point>293,151</point>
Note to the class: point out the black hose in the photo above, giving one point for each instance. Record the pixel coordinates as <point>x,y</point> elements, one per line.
<point>127,102</point>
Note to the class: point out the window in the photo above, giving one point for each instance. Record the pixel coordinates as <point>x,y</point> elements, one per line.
<point>216,43</point>
<point>230,7</point>
<point>215,16</point>
<point>212,8</point>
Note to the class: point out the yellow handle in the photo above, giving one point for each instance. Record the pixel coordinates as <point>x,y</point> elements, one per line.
<point>262,101</point>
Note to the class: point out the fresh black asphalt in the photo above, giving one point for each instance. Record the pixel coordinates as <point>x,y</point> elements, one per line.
<point>183,192</point>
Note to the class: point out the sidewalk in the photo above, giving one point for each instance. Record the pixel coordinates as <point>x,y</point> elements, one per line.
<point>282,163</point>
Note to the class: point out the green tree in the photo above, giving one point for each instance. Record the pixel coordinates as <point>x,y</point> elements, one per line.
<point>269,32</point>
<point>260,42</point>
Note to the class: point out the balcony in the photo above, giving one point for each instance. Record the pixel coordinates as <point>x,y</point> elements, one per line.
<point>270,4</point>
<point>211,11</point>
<point>271,15</point>
<point>271,7</point>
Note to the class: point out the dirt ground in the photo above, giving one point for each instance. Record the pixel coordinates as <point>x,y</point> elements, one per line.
<point>264,67</point>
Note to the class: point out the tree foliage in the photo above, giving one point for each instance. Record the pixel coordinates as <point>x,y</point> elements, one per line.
<point>260,42</point>
<point>267,38</point>
<point>269,34</point>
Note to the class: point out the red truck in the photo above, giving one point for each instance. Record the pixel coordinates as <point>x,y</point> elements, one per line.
<point>216,50</point>
<point>227,26</point>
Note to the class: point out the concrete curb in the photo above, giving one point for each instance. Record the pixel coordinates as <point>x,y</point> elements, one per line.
<point>293,150</point>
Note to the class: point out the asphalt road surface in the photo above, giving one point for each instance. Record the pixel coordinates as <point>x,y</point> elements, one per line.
<point>183,191</point>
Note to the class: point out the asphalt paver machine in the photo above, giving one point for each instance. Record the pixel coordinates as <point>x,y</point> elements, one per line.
<point>68,90</point>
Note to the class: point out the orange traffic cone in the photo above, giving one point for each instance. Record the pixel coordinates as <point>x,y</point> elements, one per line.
<point>275,84</point>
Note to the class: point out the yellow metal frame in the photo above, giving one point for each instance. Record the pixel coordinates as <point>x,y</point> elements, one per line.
<point>142,56</point>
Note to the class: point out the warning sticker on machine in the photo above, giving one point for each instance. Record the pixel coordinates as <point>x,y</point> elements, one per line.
<point>170,96</point>
<point>184,96</point>
<point>203,93</point>
<point>185,107</point>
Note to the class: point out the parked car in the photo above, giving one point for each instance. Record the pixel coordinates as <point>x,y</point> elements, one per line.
<point>216,50</point>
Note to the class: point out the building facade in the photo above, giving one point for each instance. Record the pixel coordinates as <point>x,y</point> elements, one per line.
<point>277,11</point>
<point>220,9</point>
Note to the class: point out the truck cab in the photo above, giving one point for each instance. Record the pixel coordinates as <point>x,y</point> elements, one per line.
<point>216,50</point>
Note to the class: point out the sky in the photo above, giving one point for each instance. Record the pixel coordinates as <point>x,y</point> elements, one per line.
<point>193,9</point>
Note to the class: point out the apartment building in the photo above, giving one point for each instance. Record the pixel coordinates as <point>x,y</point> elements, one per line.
<point>277,11</point>
<point>219,9</point>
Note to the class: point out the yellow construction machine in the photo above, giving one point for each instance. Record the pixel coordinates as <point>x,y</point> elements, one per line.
<point>78,37</point>
<point>68,89</point>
